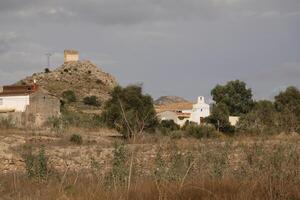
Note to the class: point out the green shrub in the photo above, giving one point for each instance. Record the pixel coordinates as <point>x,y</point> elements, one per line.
<point>176,134</point>
<point>69,96</point>
<point>120,169</point>
<point>203,131</point>
<point>76,139</point>
<point>167,126</point>
<point>92,101</point>
<point>36,164</point>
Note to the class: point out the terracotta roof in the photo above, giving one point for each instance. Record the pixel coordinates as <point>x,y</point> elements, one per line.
<point>174,107</point>
<point>17,90</point>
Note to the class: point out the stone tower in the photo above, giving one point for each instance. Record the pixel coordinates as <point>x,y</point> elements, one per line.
<point>71,56</point>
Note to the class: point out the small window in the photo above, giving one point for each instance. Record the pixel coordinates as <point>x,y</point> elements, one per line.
<point>1,102</point>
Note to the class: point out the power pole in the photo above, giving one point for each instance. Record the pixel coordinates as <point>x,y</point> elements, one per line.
<point>48,55</point>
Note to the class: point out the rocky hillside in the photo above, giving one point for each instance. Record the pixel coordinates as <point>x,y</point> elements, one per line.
<point>82,77</point>
<point>169,100</point>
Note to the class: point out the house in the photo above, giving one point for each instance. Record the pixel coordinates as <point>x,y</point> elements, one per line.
<point>71,56</point>
<point>180,113</point>
<point>28,105</point>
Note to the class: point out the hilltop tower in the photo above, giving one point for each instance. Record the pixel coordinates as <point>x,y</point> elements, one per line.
<point>71,56</point>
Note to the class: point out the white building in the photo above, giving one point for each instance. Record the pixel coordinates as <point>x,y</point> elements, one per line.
<point>200,111</point>
<point>14,103</point>
<point>181,113</point>
<point>14,98</point>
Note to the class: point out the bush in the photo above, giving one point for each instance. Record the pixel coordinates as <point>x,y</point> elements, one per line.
<point>47,70</point>
<point>177,134</point>
<point>263,119</point>
<point>36,165</point>
<point>203,131</point>
<point>76,139</point>
<point>69,96</point>
<point>167,126</point>
<point>92,101</point>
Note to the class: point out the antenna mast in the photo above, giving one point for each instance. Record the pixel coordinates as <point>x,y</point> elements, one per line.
<point>48,55</point>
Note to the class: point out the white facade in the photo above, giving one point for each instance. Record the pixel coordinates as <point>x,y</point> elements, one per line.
<point>200,110</point>
<point>14,103</point>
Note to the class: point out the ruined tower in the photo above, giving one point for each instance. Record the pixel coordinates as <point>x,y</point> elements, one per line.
<point>71,56</point>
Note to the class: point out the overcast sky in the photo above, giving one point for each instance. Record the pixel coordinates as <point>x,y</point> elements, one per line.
<point>173,47</point>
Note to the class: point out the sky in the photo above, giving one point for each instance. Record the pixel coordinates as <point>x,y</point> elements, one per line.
<point>172,47</point>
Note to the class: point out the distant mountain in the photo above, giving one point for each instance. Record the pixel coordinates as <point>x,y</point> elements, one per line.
<point>82,77</point>
<point>164,100</point>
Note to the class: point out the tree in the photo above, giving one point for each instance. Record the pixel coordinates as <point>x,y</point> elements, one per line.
<point>289,99</point>
<point>288,104</point>
<point>235,95</point>
<point>263,118</point>
<point>220,118</point>
<point>130,111</point>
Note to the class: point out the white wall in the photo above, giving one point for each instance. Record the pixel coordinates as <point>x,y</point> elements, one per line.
<point>233,120</point>
<point>200,109</point>
<point>18,103</point>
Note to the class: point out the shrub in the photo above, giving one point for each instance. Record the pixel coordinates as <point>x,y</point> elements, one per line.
<point>76,139</point>
<point>69,96</point>
<point>263,119</point>
<point>99,81</point>
<point>36,164</point>
<point>167,126</point>
<point>92,101</point>
<point>120,169</point>
<point>57,124</point>
<point>203,131</point>
<point>47,70</point>
<point>177,134</point>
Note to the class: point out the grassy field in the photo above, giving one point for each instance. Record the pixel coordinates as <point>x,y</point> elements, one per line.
<point>152,167</point>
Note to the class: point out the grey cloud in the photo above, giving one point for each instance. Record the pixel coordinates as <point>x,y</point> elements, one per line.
<point>181,47</point>
<point>126,12</point>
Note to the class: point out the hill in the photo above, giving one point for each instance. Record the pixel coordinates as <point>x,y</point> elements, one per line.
<point>82,77</point>
<point>164,100</point>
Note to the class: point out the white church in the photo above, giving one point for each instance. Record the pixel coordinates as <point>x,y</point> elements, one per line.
<point>180,113</point>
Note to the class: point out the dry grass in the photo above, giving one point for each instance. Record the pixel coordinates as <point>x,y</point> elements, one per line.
<point>161,167</point>
<point>83,187</point>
